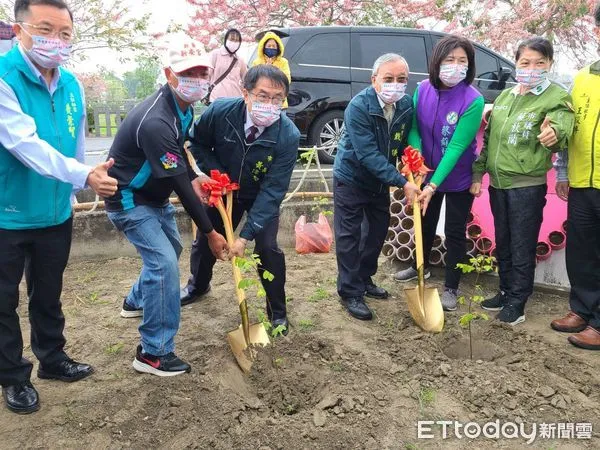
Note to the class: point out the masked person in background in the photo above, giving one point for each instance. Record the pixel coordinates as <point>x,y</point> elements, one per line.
<point>377,122</point>
<point>150,163</point>
<point>578,180</point>
<point>229,68</point>
<point>42,145</point>
<point>257,146</point>
<point>527,124</point>
<point>447,117</point>
<point>270,51</point>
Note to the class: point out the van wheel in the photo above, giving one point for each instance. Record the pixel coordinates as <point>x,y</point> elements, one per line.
<point>326,132</point>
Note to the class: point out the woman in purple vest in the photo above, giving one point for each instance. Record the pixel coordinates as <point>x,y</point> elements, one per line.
<point>448,113</point>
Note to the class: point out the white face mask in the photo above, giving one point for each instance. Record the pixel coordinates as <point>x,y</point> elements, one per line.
<point>452,74</point>
<point>232,46</point>
<point>191,90</point>
<point>264,114</point>
<point>391,92</point>
<point>48,53</point>
<point>530,78</point>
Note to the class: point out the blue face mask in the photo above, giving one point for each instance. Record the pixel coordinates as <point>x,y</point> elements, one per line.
<point>271,52</point>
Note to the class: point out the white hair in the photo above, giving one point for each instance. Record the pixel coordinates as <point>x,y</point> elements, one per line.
<point>387,57</point>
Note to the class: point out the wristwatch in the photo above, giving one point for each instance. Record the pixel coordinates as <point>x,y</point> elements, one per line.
<point>431,186</point>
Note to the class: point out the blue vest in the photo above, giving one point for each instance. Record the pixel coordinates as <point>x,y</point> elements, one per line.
<point>27,199</point>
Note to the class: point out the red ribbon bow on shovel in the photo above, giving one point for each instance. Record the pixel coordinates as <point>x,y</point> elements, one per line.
<point>222,186</point>
<point>413,163</point>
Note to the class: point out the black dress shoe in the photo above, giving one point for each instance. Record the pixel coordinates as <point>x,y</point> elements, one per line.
<point>357,308</point>
<point>67,370</point>
<point>21,398</point>
<point>374,291</point>
<point>188,295</point>
<point>283,322</point>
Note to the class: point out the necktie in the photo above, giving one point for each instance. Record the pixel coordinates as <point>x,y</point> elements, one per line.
<point>388,112</point>
<point>252,132</point>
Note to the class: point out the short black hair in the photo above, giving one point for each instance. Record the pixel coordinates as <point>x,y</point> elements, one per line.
<point>597,14</point>
<point>232,31</point>
<point>268,71</point>
<point>22,7</point>
<point>539,44</point>
<point>443,49</point>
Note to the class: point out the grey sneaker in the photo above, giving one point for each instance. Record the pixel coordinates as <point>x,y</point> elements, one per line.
<point>409,274</point>
<point>449,299</point>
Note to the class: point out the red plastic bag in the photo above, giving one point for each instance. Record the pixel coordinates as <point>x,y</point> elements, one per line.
<point>313,237</point>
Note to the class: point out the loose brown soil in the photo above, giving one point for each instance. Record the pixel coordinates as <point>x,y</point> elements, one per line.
<point>333,383</point>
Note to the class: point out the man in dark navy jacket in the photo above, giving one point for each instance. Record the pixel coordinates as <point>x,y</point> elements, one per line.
<point>376,126</point>
<point>255,143</point>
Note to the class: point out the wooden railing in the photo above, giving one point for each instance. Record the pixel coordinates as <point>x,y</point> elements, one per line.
<point>106,118</point>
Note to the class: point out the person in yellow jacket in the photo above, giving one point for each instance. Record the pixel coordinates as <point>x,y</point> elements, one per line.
<point>578,181</point>
<point>270,51</point>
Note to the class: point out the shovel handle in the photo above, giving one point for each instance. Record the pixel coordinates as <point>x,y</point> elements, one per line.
<point>418,242</point>
<point>193,165</point>
<point>237,274</point>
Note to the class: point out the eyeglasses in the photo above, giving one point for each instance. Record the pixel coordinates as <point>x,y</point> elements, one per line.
<point>46,31</point>
<point>264,98</point>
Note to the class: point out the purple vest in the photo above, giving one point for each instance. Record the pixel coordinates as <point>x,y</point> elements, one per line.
<point>438,112</point>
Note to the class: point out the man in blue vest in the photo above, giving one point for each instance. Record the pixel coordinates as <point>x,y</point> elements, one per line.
<point>42,130</point>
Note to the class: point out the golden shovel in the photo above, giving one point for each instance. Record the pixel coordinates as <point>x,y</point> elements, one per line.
<point>424,303</point>
<point>245,336</point>
<point>242,338</point>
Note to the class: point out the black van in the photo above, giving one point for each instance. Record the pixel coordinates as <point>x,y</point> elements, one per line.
<point>331,64</point>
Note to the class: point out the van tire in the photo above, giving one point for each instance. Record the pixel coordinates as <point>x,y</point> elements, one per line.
<point>326,127</point>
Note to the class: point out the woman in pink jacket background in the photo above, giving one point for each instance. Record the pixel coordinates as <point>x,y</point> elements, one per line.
<point>222,58</point>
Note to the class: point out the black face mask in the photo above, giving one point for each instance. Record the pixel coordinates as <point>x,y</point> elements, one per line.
<point>271,52</point>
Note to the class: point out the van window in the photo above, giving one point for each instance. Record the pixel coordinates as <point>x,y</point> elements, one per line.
<point>329,49</point>
<point>487,70</point>
<point>412,48</point>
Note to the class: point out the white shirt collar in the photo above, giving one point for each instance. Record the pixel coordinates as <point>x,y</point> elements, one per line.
<point>250,124</point>
<point>383,104</point>
<point>538,90</point>
<point>38,74</point>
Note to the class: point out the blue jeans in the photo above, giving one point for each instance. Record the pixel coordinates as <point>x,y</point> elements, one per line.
<point>153,232</point>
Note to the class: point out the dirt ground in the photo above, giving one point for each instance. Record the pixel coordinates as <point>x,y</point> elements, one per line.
<point>333,383</point>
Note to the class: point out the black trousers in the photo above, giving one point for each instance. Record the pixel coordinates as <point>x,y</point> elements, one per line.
<point>43,254</point>
<point>271,257</point>
<point>583,253</point>
<point>360,220</point>
<point>458,205</point>
<point>518,215</point>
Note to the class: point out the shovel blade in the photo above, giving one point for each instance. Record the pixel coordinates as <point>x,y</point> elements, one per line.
<point>426,312</point>
<point>243,353</point>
